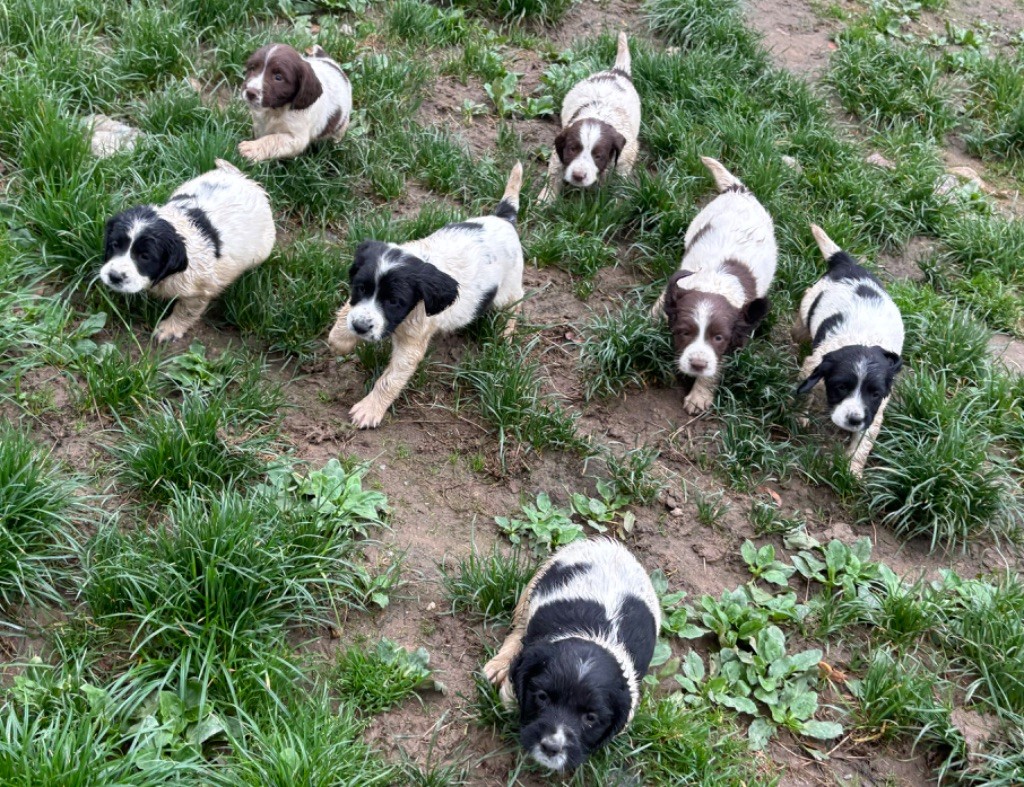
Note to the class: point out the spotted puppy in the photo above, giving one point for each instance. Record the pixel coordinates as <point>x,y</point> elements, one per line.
<point>294,100</point>
<point>600,127</point>
<point>856,335</point>
<point>212,229</point>
<point>582,637</point>
<point>438,284</point>
<point>717,297</point>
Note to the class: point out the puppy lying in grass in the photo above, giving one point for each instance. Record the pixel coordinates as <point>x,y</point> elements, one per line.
<point>212,229</point>
<point>294,100</point>
<point>583,634</point>
<point>441,283</point>
<point>856,334</point>
<point>717,297</point>
<point>600,128</point>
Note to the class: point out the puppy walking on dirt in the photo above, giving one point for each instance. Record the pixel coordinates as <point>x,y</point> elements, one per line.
<point>600,128</point>
<point>212,229</point>
<point>441,283</point>
<point>718,296</point>
<point>582,638</point>
<point>856,334</point>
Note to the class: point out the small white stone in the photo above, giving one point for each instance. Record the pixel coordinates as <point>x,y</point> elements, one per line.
<point>878,160</point>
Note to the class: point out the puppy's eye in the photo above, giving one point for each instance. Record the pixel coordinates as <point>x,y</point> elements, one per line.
<point>590,719</point>
<point>278,77</point>
<point>541,697</point>
<point>719,337</point>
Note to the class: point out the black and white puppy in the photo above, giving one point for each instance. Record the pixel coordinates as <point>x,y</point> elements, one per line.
<point>212,229</point>
<point>582,637</point>
<point>856,334</point>
<point>441,283</point>
<point>600,128</point>
<point>294,100</point>
<point>718,296</point>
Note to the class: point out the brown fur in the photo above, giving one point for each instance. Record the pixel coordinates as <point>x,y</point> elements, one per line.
<point>607,150</point>
<point>297,85</point>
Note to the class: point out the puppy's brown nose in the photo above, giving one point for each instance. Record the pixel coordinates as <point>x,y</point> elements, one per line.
<point>578,176</point>
<point>698,365</point>
<point>250,94</point>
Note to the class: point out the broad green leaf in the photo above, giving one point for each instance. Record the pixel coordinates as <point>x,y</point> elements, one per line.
<point>749,553</point>
<point>741,704</point>
<point>761,731</point>
<point>821,730</point>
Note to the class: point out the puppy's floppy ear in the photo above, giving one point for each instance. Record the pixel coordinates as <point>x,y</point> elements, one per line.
<point>895,364</point>
<point>173,255</point>
<point>823,368</point>
<point>673,292</point>
<point>560,141</point>
<point>307,87</point>
<point>526,665</point>
<point>437,289</point>
<point>112,226</point>
<point>751,316</point>
<point>618,143</point>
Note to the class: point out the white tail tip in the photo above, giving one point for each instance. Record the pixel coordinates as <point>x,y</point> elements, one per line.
<point>227,166</point>
<point>724,179</point>
<point>515,182</point>
<point>825,243</point>
<point>623,61</point>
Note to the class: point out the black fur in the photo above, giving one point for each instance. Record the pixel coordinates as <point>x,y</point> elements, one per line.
<point>506,210</point>
<point>867,291</point>
<point>559,574</point>
<point>485,303</point>
<point>843,267</point>
<point>839,371</point>
<point>468,226</point>
<point>157,250</point>
<point>830,322</point>
<point>637,633</point>
<point>814,308</point>
<point>205,226</point>
<point>558,617</point>
<point>182,197</point>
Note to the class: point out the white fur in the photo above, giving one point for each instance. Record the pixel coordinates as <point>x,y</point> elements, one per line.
<point>613,100</point>
<point>238,208</point>
<point>286,132</point>
<point>478,261</point>
<point>556,740</point>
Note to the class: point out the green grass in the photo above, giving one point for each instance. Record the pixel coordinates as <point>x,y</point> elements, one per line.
<point>118,383</point>
<point>379,678</point>
<point>995,104</point>
<point>487,586</point>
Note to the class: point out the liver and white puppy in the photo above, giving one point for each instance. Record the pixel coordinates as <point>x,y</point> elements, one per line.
<point>438,284</point>
<point>212,229</point>
<point>582,637</point>
<point>856,335</point>
<point>600,127</point>
<point>294,100</point>
<point>717,297</point>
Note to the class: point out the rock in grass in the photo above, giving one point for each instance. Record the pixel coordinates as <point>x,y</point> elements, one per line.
<point>111,136</point>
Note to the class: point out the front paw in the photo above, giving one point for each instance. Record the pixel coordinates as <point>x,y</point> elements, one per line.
<point>250,150</point>
<point>496,670</point>
<point>366,414</point>
<point>168,332</point>
<point>698,401</point>
<point>341,343</point>
<point>547,195</point>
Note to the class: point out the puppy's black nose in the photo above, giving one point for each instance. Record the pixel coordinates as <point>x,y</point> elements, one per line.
<point>578,176</point>
<point>854,420</point>
<point>549,749</point>
<point>115,277</point>
<point>360,326</point>
<point>250,94</point>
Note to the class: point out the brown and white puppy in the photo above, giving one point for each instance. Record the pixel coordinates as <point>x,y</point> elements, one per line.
<point>583,634</point>
<point>440,283</point>
<point>212,229</point>
<point>600,128</point>
<point>856,334</point>
<point>294,100</point>
<point>718,296</point>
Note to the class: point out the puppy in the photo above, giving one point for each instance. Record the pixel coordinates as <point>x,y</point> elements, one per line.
<point>212,229</point>
<point>600,127</point>
<point>438,284</point>
<point>717,297</point>
<point>294,101</point>
<point>856,335</point>
<point>582,637</point>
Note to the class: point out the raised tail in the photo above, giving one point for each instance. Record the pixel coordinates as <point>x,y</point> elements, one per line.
<point>508,208</point>
<point>623,61</point>
<point>227,166</point>
<point>724,179</point>
<point>828,247</point>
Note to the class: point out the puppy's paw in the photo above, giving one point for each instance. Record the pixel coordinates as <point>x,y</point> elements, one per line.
<point>250,149</point>
<point>366,414</point>
<point>507,694</point>
<point>803,421</point>
<point>698,401</point>
<point>496,670</point>
<point>546,196</point>
<point>168,331</point>
<point>342,342</point>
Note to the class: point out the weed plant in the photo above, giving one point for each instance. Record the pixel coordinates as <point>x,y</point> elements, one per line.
<point>380,678</point>
<point>487,586</point>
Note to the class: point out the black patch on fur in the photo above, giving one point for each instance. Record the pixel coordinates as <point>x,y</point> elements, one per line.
<point>469,226</point>
<point>552,694</point>
<point>612,75</point>
<point>579,111</point>
<point>506,210</point>
<point>157,250</point>
<point>814,306</point>
<point>839,371</point>
<point>622,73</point>
<point>560,574</point>
<point>558,617</point>
<point>182,197</point>
<point>869,292</point>
<point>198,217</point>
<point>737,188</point>
<point>638,633</point>
<point>485,303</point>
<point>699,234</point>
<point>830,322</point>
<point>843,267</point>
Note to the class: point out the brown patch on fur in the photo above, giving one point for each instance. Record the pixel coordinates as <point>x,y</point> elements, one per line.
<point>609,145</point>
<point>288,79</point>
<point>332,124</point>
<point>742,273</point>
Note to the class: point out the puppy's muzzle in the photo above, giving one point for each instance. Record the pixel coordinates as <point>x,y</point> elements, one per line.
<point>361,327</point>
<point>115,279</point>
<point>251,95</point>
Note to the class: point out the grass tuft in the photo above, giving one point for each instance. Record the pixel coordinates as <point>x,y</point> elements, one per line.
<point>487,586</point>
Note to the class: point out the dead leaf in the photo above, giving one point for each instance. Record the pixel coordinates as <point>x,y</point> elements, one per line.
<point>767,490</point>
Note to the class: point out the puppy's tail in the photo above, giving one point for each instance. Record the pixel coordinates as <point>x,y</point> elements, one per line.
<point>508,208</point>
<point>724,179</point>
<point>828,247</point>
<point>623,61</point>
<point>227,166</point>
